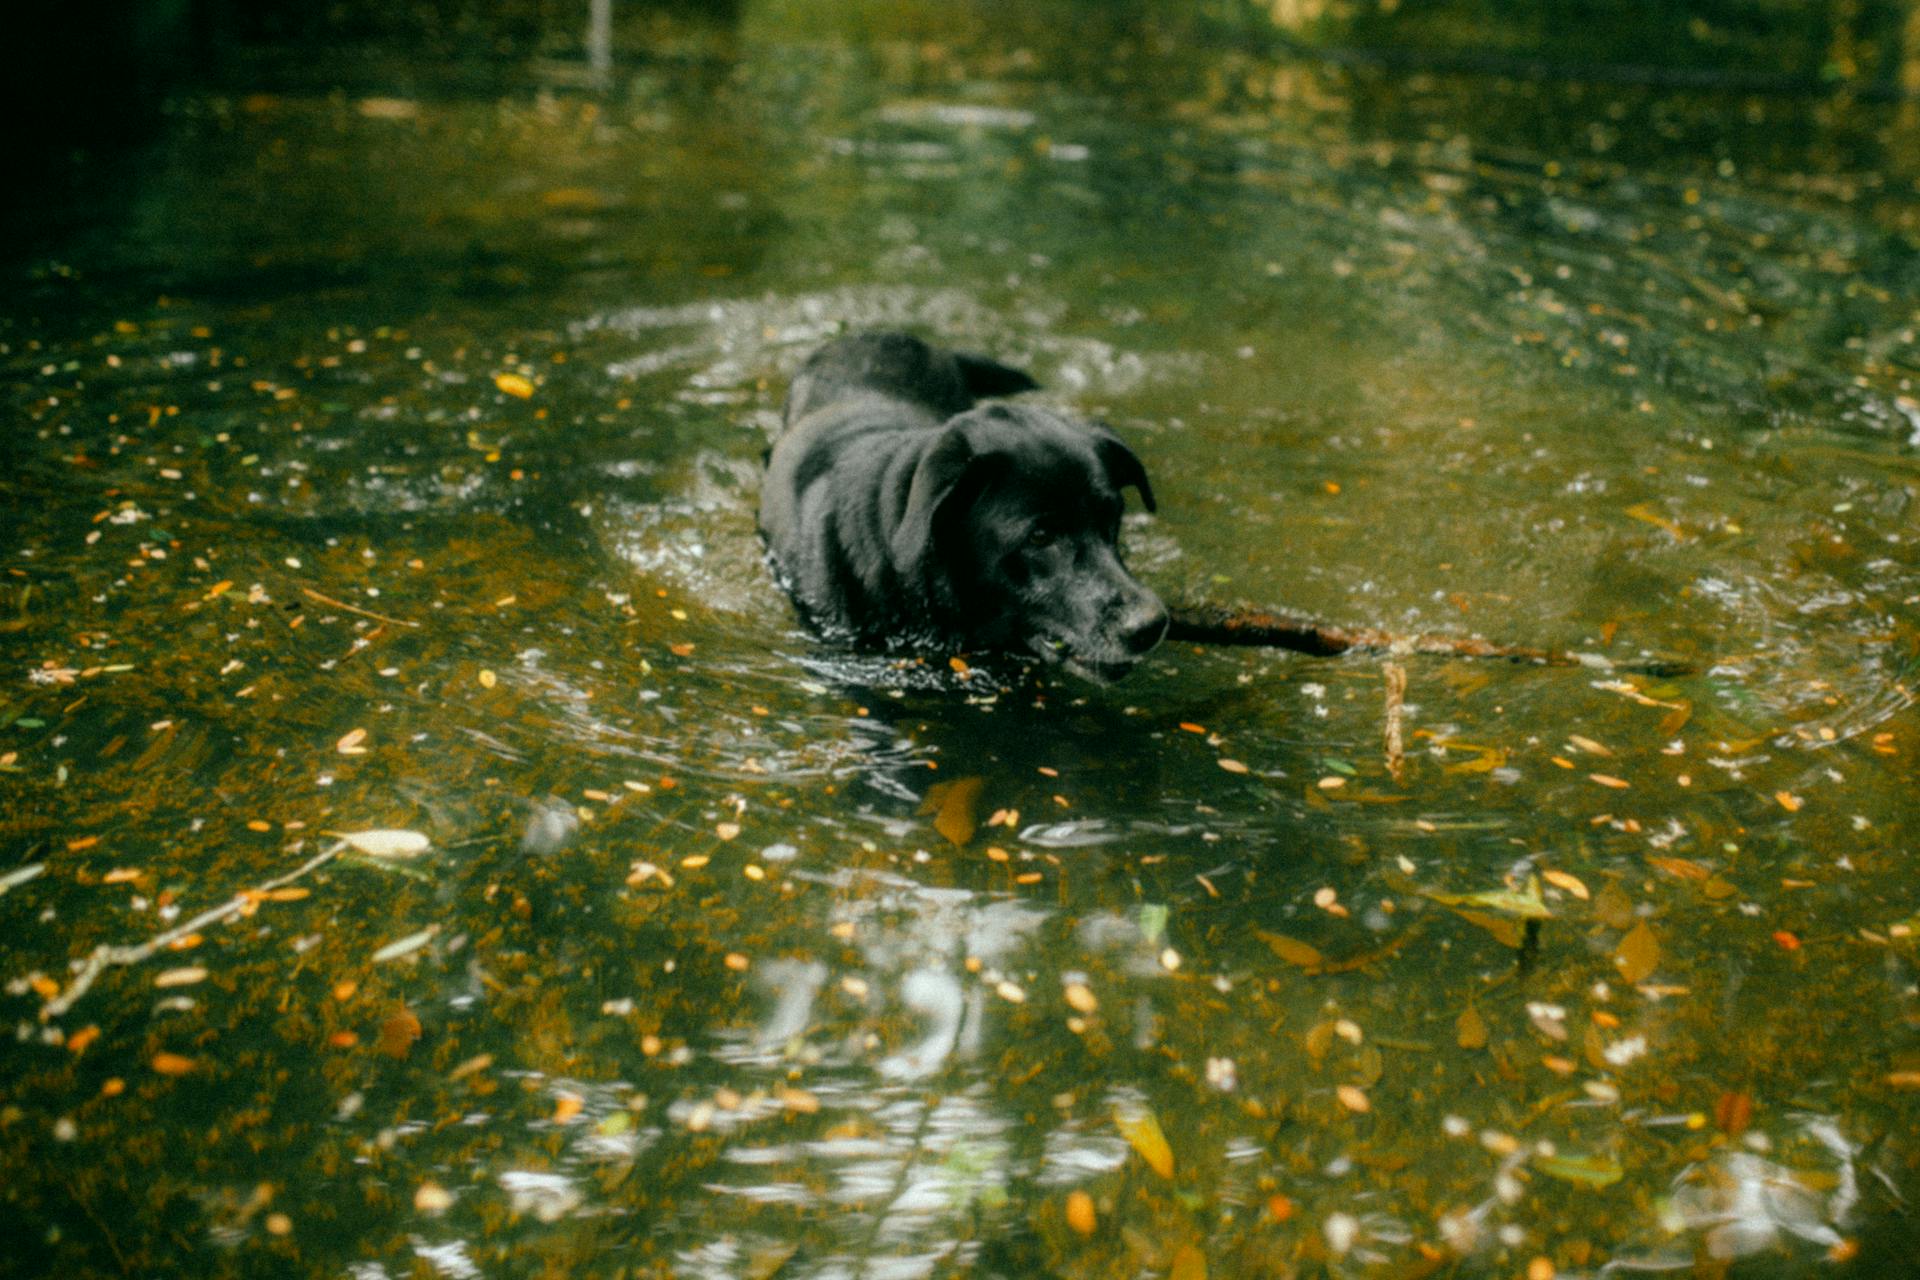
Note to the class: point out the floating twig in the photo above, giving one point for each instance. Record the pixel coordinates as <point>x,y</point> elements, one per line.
<point>104,957</point>
<point>311,594</point>
<point>1210,624</point>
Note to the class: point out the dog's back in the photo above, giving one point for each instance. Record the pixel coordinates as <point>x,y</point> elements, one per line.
<point>898,367</point>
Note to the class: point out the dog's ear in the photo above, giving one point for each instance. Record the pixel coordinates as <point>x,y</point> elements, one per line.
<point>1123,465</point>
<point>940,470</point>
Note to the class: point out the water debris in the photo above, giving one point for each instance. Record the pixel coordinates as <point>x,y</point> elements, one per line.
<point>1395,677</point>
<point>432,1198</point>
<point>106,956</point>
<point>385,842</point>
<point>405,946</point>
<point>20,875</point>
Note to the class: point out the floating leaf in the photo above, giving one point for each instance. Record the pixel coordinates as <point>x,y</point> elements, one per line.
<point>1142,1132</point>
<point>405,946</point>
<point>171,1064</point>
<point>1188,1264</point>
<point>1507,931</point>
<point>1524,904</point>
<point>1563,880</point>
<point>20,875</point>
<point>1638,954</point>
<point>954,806</point>
<point>398,1031</point>
<point>386,843</point>
<point>515,385</point>
<point>1613,907</point>
<point>1292,950</point>
<point>1153,921</point>
<point>1470,1029</point>
<point>1353,1098</point>
<point>1587,1171</point>
<point>1080,1215</point>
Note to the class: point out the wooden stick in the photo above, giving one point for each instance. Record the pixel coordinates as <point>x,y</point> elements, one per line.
<point>1211,624</point>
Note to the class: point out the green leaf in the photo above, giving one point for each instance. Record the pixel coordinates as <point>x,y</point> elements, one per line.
<point>1527,904</point>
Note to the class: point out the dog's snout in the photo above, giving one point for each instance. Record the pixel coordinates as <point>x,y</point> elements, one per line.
<point>1145,630</point>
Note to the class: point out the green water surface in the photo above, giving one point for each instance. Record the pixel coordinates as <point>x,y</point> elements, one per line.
<point>382,447</point>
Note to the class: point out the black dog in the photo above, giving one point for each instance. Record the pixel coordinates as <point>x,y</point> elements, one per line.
<point>899,514</point>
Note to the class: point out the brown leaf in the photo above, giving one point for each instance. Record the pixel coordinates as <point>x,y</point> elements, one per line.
<point>1470,1029</point>
<point>1613,907</point>
<point>1292,950</point>
<point>1682,868</point>
<point>398,1033</point>
<point>1733,1112</point>
<point>1508,931</point>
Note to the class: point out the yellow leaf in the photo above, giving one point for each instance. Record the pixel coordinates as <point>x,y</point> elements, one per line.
<point>1562,880</point>
<point>1470,1029</point>
<point>515,385</point>
<point>1643,511</point>
<point>1188,1264</point>
<point>1638,954</point>
<point>1142,1132</point>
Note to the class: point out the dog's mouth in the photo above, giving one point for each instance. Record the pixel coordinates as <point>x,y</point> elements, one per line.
<point>1058,652</point>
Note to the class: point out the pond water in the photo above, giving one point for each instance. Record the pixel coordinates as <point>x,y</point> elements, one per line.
<point>384,458</point>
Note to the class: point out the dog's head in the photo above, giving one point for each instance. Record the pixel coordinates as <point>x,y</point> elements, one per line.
<point>1013,522</point>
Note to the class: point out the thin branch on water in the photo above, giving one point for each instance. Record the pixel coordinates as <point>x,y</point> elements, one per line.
<point>104,956</point>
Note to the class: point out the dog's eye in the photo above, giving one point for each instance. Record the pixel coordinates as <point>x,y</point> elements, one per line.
<point>1041,536</point>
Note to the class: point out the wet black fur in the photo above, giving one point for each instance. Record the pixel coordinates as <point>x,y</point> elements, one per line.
<point>899,512</point>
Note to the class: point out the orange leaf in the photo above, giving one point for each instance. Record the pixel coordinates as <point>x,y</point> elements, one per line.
<point>1080,1214</point>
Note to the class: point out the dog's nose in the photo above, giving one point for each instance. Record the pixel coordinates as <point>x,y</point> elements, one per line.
<point>1141,636</point>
